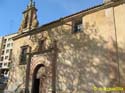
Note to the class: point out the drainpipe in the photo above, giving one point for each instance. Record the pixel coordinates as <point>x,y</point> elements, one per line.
<point>54,66</point>
<point>117,51</point>
<point>28,71</point>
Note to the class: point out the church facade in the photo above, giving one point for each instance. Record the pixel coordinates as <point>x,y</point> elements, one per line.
<point>74,54</point>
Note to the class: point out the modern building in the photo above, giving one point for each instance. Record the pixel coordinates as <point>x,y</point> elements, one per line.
<point>1,39</point>
<point>6,44</point>
<point>79,53</point>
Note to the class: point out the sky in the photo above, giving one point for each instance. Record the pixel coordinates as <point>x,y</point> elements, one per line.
<point>48,11</point>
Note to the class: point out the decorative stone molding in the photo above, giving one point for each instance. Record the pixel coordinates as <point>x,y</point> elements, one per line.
<point>41,41</point>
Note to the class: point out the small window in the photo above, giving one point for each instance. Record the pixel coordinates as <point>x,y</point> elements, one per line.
<point>0,64</point>
<point>23,56</point>
<point>9,39</point>
<point>5,64</point>
<point>1,58</point>
<point>9,64</point>
<point>3,46</point>
<point>10,55</point>
<point>7,51</point>
<point>8,45</point>
<point>77,26</point>
<point>6,57</point>
<point>5,40</point>
<point>2,52</point>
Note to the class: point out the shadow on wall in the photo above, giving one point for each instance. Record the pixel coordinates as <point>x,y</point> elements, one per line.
<point>86,60</point>
<point>17,76</point>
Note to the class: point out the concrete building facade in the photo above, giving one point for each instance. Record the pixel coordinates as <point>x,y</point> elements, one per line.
<point>6,44</point>
<point>74,54</point>
<point>1,39</point>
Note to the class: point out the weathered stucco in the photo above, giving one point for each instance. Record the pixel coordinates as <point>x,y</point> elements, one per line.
<point>120,28</point>
<point>85,59</point>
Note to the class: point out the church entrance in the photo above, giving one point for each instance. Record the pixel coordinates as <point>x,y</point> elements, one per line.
<point>39,79</point>
<point>36,85</point>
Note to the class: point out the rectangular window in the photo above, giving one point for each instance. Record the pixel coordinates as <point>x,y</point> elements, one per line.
<point>10,55</point>
<point>9,39</point>
<point>7,51</point>
<point>3,52</point>
<point>5,40</point>
<point>9,64</point>
<point>78,26</point>
<point>23,55</point>
<point>1,58</point>
<point>8,45</point>
<point>5,64</point>
<point>6,57</point>
<point>3,46</point>
<point>0,64</point>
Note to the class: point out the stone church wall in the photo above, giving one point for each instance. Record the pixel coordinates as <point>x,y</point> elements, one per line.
<point>85,59</point>
<point>18,72</point>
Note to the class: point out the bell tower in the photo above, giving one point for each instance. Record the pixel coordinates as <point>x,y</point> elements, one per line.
<point>29,21</point>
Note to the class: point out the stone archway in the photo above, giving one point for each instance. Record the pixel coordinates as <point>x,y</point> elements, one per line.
<point>39,79</point>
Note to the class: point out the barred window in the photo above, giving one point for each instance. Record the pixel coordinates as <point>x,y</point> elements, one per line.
<point>77,27</point>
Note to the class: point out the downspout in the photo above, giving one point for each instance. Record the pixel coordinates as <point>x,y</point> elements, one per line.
<point>117,50</point>
<point>28,71</point>
<point>54,67</point>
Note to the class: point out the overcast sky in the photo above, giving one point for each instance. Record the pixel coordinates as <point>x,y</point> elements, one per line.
<point>48,10</point>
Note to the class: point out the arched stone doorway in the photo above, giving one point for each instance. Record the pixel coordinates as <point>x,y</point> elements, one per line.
<point>39,79</point>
